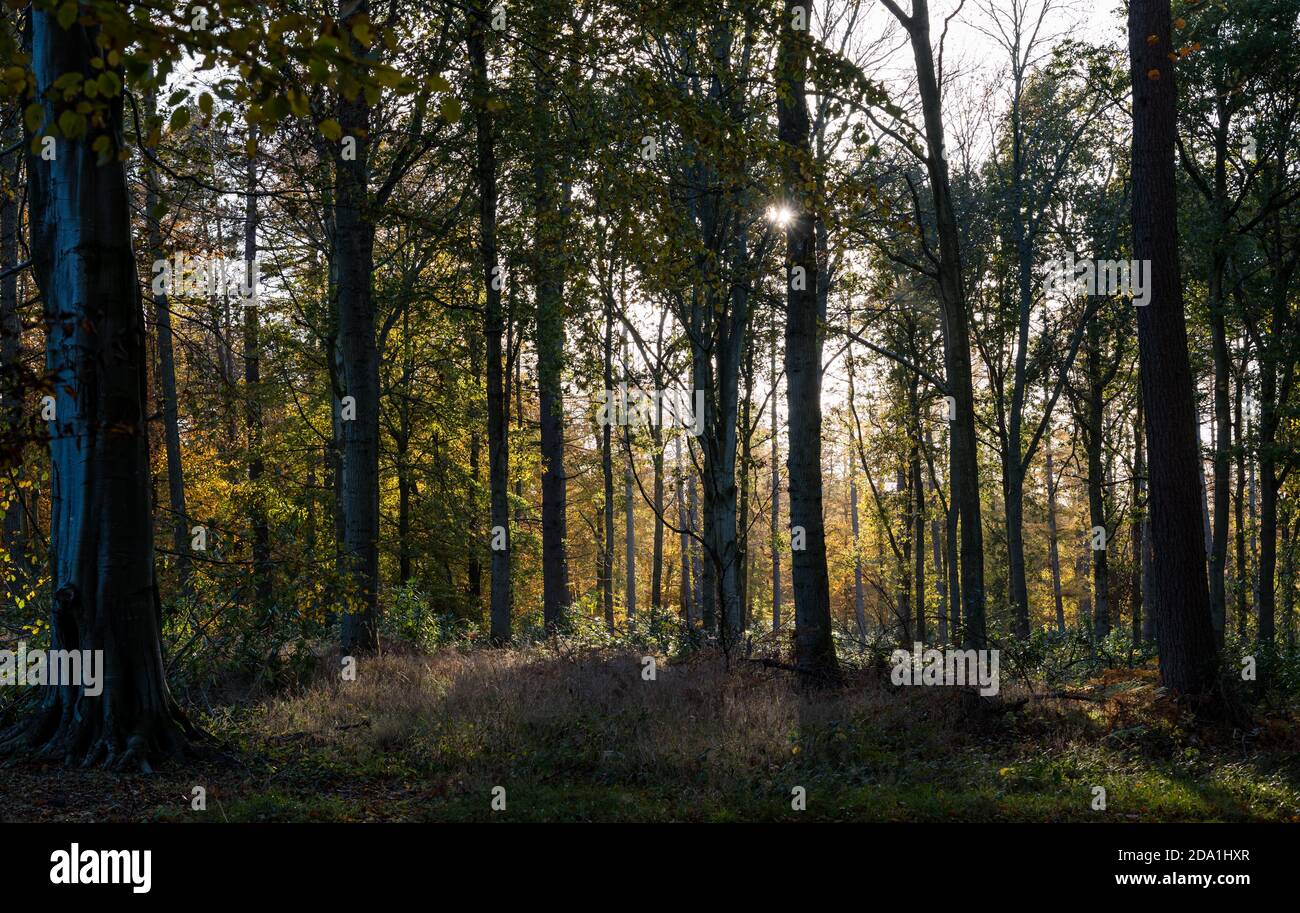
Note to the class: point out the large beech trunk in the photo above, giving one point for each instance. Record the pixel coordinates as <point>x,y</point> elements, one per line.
<point>101,531</point>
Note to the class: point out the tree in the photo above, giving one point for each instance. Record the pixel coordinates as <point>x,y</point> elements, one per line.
<point>814,649</point>
<point>493,330</point>
<point>1180,600</point>
<point>101,534</point>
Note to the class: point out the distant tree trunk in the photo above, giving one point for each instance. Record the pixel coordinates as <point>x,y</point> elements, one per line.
<point>607,472</point>
<point>956,332</point>
<point>402,444</point>
<point>475,566</point>
<point>1289,531</point>
<point>1241,583</point>
<point>742,526</point>
<point>1093,427</point>
<point>814,647</point>
<point>657,556</point>
<point>697,562</point>
<point>955,602</point>
<point>684,525</point>
<point>498,406</point>
<point>101,530</point>
<point>552,219</point>
<point>776,497</point>
<point>1216,305</point>
<point>936,548</point>
<point>1180,600</point>
<point>903,486</point>
<point>262,583</point>
<point>354,259</point>
<point>859,603</point>
<point>1138,526</point>
<point>1053,538</point>
<point>167,380</point>
<point>629,505</point>
<point>918,510</point>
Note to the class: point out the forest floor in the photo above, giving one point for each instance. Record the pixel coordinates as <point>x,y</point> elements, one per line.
<point>584,737</point>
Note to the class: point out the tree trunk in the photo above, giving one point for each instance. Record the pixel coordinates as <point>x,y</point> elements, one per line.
<point>262,582</point>
<point>859,603</point>
<point>629,512</point>
<point>552,218</point>
<point>101,531</point>
<point>167,382</point>
<point>776,496</point>
<point>1094,427</point>
<point>684,525</point>
<point>493,329</point>
<point>1180,600</point>
<point>354,259</point>
<point>607,473</point>
<point>1053,539</point>
<point>1138,527</point>
<point>814,648</point>
<point>956,331</point>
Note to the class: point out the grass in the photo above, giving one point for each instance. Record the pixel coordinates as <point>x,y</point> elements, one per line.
<point>584,737</point>
<point>581,736</point>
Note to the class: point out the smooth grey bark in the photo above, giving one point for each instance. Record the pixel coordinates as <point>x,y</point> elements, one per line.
<point>101,532</point>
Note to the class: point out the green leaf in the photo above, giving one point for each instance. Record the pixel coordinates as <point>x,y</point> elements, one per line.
<point>450,109</point>
<point>72,124</point>
<point>33,116</point>
<point>67,14</point>
<point>179,120</point>
<point>330,129</point>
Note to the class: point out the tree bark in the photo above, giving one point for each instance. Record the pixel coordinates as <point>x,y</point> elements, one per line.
<point>1180,600</point>
<point>956,331</point>
<point>101,532</point>
<point>493,330</point>
<point>814,647</point>
<point>262,582</point>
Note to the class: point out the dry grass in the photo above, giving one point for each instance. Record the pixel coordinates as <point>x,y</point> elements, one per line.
<point>493,712</point>
<point>579,734</point>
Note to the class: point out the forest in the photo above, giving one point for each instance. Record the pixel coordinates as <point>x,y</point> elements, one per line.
<point>612,410</point>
